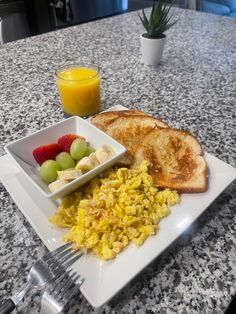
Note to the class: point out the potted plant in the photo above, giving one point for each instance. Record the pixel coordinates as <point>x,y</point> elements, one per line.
<point>153,40</point>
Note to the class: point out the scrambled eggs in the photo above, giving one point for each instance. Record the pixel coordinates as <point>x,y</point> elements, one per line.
<point>110,212</point>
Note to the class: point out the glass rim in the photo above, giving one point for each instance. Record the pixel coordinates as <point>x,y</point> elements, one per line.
<point>77,65</point>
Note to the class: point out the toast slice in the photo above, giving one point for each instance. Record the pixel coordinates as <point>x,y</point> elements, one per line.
<point>175,160</point>
<point>130,130</point>
<point>103,119</point>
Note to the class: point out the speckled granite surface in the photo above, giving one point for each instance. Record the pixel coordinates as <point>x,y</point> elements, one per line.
<point>193,88</point>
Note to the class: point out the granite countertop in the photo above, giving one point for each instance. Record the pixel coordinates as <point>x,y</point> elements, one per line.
<point>193,88</point>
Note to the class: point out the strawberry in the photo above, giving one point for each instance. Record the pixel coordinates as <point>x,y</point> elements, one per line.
<point>66,140</point>
<point>46,152</point>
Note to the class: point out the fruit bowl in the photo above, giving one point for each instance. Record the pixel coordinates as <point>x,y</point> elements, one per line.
<point>21,153</point>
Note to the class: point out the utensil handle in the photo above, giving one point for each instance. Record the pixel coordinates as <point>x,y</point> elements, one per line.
<point>17,297</point>
<point>10,304</point>
<point>7,306</point>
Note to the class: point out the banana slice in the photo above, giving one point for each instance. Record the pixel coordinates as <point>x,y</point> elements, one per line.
<point>69,174</point>
<point>93,158</point>
<point>110,151</point>
<point>85,165</point>
<point>104,152</point>
<point>55,185</point>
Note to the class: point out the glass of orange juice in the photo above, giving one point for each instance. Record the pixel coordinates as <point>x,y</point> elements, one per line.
<point>79,89</point>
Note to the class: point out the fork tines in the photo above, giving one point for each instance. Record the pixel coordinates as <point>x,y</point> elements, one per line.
<point>61,291</point>
<point>62,258</point>
<point>66,286</point>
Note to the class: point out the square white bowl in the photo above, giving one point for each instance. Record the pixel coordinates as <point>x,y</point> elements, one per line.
<point>21,152</point>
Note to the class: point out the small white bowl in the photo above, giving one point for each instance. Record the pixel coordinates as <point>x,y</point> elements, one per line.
<point>21,152</point>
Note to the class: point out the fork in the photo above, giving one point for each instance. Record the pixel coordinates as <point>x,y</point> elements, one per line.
<point>59,294</point>
<point>47,268</point>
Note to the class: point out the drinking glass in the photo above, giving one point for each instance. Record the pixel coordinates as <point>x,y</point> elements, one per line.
<point>79,89</point>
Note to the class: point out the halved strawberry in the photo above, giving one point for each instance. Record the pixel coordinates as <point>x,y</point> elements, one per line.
<point>46,152</point>
<point>66,140</point>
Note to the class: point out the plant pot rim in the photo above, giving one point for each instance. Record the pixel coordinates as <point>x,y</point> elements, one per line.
<point>147,38</point>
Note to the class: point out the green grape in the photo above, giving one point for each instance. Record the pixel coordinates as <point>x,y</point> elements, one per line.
<point>65,160</point>
<point>89,151</point>
<point>78,149</point>
<point>48,171</point>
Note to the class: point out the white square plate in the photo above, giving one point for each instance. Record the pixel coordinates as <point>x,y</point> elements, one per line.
<point>21,152</point>
<point>105,279</point>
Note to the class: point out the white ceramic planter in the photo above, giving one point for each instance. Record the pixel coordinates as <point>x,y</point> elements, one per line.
<point>152,49</point>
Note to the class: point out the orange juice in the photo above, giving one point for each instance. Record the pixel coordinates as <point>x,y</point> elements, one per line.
<point>79,90</point>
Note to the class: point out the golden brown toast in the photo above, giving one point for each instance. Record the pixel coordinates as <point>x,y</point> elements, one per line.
<point>130,130</point>
<point>103,119</point>
<point>175,160</point>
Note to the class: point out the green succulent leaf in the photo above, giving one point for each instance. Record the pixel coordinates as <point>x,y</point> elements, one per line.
<point>159,20</point>
<point>144,20</point>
